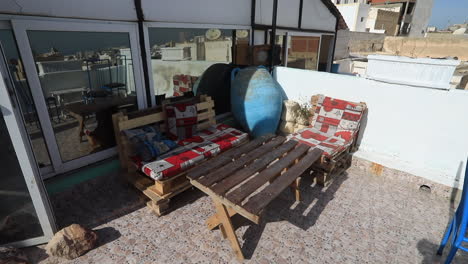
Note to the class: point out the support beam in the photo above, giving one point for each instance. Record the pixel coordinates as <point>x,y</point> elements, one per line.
<point>301,6</point>
<point>273,33</point>
<point>144,61</point>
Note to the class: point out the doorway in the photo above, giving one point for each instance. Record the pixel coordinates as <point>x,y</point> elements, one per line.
<point>79,74</point>
<point>25,215</point>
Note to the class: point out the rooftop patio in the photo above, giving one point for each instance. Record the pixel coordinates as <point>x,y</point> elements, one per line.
<point>358,218</point>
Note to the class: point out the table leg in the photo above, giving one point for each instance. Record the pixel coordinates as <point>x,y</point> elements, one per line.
<point>223,216</point>
<point>295,188</point>
<point>213,221</point>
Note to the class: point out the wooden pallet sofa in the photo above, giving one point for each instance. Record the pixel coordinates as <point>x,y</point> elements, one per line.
<point>334,128</point>
<point>164,177</point>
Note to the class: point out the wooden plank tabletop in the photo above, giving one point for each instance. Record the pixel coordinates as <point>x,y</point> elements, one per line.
<point>248,178</point>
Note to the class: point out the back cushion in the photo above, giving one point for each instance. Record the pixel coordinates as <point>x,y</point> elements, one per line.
<point>181,120</point>
<point>148,143</point>
<point>336,117</point>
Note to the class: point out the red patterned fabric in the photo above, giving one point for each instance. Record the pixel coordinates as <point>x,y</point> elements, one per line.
<point>183,83</point>
<point>334,126</point>
<point>206,143</point>
<point>181,120</point>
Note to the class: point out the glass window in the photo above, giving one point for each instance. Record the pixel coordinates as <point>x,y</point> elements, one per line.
<point>85,77</point>
<point>179,56</point>
<point>303,52</point>
<point>18,218</point>
<point>23,92</point>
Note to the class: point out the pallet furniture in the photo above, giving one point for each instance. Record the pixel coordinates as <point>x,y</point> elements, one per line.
<point>159,192</point>
<point>335,126</point>
<point>235,179</point>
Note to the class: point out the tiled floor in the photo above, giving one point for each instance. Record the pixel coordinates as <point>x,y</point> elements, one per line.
<point>359,218</point>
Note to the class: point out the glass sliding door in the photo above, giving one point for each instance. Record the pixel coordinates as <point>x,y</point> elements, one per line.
<point>80,74</point>
<point>26,103</point>
<point>25,217</point>
<point>180,53</point>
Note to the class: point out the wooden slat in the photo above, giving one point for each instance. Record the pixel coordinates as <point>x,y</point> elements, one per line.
<point>252,217</point>
<point>225,185</point>
<point>205,105</point>
<point>256,203</point>
<point>227,157</point>
<point>226,170</point>
<point>141,121</point>
<point>239,194</point>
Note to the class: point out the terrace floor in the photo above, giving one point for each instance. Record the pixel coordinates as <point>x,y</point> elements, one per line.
<point>359,218</point>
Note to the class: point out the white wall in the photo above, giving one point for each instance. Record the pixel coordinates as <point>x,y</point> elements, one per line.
<point>201,11</point>
<point>352,14</point>
<point>416,130</point>
<point>349,13</point>
<point>362,12</point>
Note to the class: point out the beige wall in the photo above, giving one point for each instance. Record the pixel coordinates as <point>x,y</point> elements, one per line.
<point>427,47</point>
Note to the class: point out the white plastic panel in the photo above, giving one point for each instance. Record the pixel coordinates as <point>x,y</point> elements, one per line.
<point>288,12</point>
<point>200,11</point>
<point>264,12</point>
<point>91,9</point>
<point>317,16</point>
<point>430,73</point>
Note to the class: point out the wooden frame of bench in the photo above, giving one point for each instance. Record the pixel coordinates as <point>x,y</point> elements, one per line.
<point>246,179</point>
<point>158,191</point>
<point>326,167</point>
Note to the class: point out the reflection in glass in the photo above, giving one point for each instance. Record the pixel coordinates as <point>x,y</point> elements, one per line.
<point>303,52</point>
<point>18,218</point>
<point>85,77</point>
<point>24,97</point>
<point>179,56</point>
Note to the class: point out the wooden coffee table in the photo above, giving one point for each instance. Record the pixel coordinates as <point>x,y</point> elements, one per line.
<point>246,179</point>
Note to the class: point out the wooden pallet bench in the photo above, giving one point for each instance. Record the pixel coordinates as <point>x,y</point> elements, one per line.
<point>159,192</point>
<point>245,180</point>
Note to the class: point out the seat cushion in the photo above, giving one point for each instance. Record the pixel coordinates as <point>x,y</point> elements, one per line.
<point>334,126</point>
<point>335,117</point>
<point>191,151</point>
<point>331,145</point>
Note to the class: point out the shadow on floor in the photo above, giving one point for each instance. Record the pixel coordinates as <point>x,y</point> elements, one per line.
<point>429,251</point>
<point>96,201</point>
<point>303,214</point>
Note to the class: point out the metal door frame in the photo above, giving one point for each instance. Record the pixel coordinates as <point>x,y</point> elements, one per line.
<point>23,148</point>
<point>20,27</point>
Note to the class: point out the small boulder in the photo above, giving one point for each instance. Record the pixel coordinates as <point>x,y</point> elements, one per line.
<point>72,242</point>
<point>10,255</point>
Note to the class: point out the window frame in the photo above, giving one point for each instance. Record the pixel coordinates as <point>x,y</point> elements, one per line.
<point>148,25</point>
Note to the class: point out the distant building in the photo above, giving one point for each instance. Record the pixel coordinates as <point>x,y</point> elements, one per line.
<point>392,17</point>
<point>414,15</point>
<point>354,12</point>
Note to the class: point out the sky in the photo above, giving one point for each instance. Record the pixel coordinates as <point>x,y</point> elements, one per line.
<point>444,10</point>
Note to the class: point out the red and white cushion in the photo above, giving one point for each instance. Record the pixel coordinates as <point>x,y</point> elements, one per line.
<point>205,144</point>
<point>181,120</point>
<point>334,125</point>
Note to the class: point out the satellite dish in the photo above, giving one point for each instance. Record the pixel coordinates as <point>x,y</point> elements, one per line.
<point>213,34</point>
<point>242,33</point>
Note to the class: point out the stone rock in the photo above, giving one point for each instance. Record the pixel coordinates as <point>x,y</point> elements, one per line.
<point>290,110</point>
<point>298,127</point>
<point>72,242</point>
<point>286,128</point>
<point>10,255</point>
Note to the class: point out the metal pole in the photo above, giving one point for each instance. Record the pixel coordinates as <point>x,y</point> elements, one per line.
<point>273,33</point>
